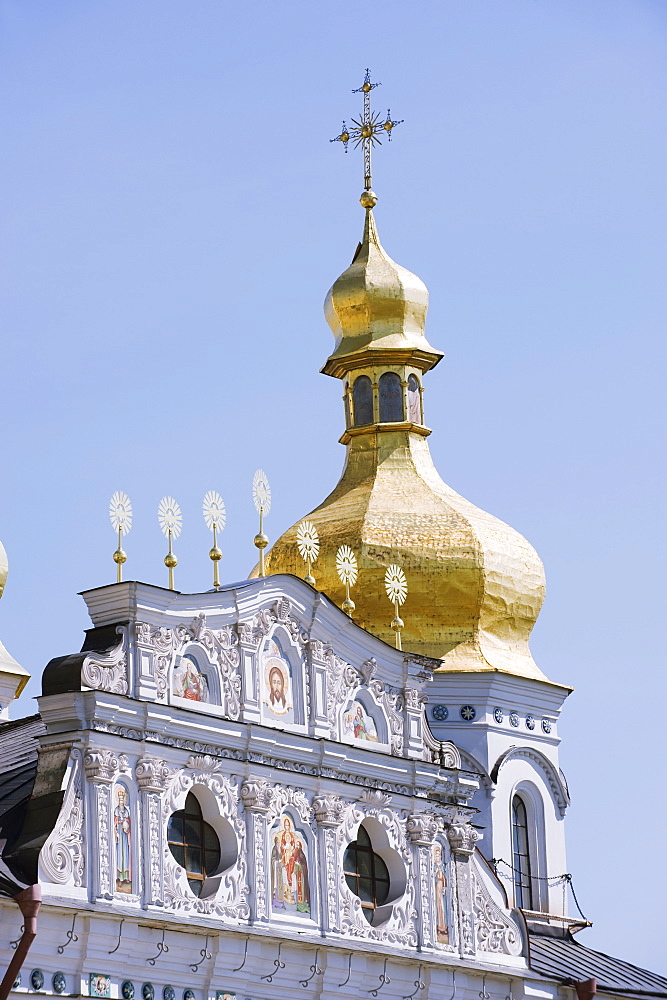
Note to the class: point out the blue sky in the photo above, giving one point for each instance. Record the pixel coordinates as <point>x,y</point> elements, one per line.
<point>173,216</point>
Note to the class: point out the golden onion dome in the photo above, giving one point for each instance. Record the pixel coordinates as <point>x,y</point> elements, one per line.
<point>475,586</point>
<point>377,310</point>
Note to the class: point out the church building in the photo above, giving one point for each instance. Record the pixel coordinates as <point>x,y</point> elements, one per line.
<point>271,790</point>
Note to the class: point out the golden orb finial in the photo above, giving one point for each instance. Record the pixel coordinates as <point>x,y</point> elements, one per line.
<point>261,494</point>
<point>170,521</point>
<point>215,517</point>
<point>120,514</point>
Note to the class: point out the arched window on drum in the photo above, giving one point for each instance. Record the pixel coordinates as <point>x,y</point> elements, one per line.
<point>391,398</point>
<point>521,859</point>
<point>414,401</point>
<point>362,401</point>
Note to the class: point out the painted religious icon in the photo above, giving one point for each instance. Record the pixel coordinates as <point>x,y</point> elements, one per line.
<point>122,825</point>
<point>188,681</point>
<point>440,882</point>
<point>290,886</point>
<point>358,724</point>
<point>277,683</point>
<point>100,986</point>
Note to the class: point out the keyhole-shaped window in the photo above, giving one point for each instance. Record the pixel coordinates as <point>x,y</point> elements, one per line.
<point>391,398</point>
<point>194,844</point>
<point>362,401</point>
<point>366,874</point>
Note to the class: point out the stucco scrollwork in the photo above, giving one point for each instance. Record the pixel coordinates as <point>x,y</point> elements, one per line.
<point>227,894</point>
<point>257,795</point>
<point>152,774</point>
<point>462,838</point>
<point>496,931</point>
<point>62,858</point>
<point>401,925</point>
<point>107,671</point>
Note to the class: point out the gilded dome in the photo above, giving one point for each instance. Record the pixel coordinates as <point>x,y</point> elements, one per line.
<point>475,586</point>
<point>376,308</point>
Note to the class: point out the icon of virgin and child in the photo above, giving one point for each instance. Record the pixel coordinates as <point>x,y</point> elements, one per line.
<point>290,887</point>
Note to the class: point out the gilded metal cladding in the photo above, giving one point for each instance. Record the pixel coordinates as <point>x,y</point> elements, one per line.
<point>377,306</point>
<point>475,586</point>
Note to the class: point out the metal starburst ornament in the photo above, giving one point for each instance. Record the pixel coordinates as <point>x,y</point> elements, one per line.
<point>261,494</point>
<point>396,587</point>
<point>170,521</point>
<point>346,567</point>
<point>308,544</point>
<point>120,513</point>
<point>215,517</point>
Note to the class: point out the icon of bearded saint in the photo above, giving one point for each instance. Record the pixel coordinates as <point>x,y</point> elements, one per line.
<point>277,693</point>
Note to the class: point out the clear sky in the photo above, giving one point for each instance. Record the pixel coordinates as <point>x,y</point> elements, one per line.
<point>173,216</point>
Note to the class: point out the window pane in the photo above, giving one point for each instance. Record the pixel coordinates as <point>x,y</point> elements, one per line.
<point>196,886</point>
<point>365,891</point>
<point>352,883</point>
<point>191,833</point>
<point>381,892</point>
<point>365,863</point>
<point>391,397</point>
<point>175,828</point>
<point>362,838</point>
<point>193,860</point>
<point>380,868</point>
<point>179,854</point>
<point>192,807</point>
<point>212,861</point>
<point>350,859</point>
<point>362,401</point>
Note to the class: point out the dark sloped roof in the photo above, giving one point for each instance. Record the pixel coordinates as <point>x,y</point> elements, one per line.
<point>19,746</point>
<point>564,959</point>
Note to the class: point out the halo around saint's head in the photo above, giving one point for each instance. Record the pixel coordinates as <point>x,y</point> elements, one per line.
<point>120,512</point>
<point>169,517</point>
<point>395,584</point>
<point>308,541</point>
<point>261,492</point>
<point>346,565</point>
<point>214,511</point>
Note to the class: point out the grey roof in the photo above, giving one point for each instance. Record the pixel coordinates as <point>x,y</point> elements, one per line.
<point>19,746</point>
<point>562,958</point>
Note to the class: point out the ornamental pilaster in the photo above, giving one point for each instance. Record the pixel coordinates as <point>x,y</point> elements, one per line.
<point>152,775</point>
<point>422,829</point>
<point>328,811</point>
<point>101,767</point>
<point>257,795</point>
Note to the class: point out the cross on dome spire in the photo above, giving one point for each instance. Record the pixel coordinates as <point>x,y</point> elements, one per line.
<point>364,132</point>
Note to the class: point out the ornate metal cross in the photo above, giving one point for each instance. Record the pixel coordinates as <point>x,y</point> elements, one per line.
<point>366,131</point>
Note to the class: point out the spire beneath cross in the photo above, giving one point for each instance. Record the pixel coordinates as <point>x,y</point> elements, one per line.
<point>364,132</point>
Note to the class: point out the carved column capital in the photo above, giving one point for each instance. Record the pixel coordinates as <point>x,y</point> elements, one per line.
<point>328,810</point>
<point>100,765</point>
<point>462,838</point>
<point>152,774</point>
<point>422,828</point>
<point>257,795</point>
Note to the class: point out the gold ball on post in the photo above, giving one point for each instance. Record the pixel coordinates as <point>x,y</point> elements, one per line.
<point>119,557</point>
<point>397,624</point>
<point>215,554</point>
<point>348,606</point>
<point>261,541</point>
<point>170,560</point>
<point>368,198</point>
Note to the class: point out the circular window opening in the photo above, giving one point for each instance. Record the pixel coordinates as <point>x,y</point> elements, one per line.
<point>194,844</point>
<point>366,874</point>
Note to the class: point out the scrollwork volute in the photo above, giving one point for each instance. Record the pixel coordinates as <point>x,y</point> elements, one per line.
<point>107,671</point>
<point>62,858</point>
<point>423,828</point>
<point>328,810</point>
<point>152,774</point>
<point>257,795</point>
<point>462,838</point>
<point>101,765</point>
